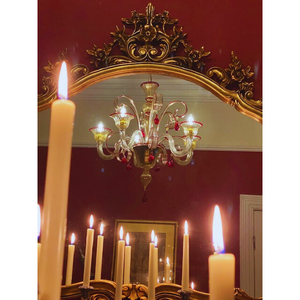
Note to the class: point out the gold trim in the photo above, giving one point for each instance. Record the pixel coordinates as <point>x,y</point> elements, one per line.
<point>150,48</point>
<point>105,289</point>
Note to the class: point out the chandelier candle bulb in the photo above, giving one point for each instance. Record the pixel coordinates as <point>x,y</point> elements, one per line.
<point>156,259</point>
<point>167,271</point>
<point>120,264</point>
<point>88,254</point>
<point>185,260</point>
<point>53,233</point>
<point>99,254</point>
<point>127,260</point>
<point>71,251</point>
<point>151,270</point>
<point>221,266</point>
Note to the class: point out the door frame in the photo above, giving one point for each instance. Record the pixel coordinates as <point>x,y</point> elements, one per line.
<point>248,204</point>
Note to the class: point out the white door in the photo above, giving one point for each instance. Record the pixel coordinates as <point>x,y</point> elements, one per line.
<point>251,244</point>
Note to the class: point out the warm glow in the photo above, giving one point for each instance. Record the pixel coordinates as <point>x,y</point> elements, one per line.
<point>127,239</point>
<point>152,236</point>
<point>39,220</point>
<point>155,241</point>
<point>168,261</point>
<point>217,231</point>
<point>100,127</point>
<point>157,280</point>
<point>192,285</point>
<point>121,233</point>
<point>101,229</point>
<point>63,82</point>
<point>123,111</point>
<point>91,221</point>
<point>186,229</point>
<point>190,120</point>
<point>72,238</point>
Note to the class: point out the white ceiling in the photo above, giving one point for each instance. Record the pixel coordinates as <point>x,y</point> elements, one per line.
<point>223,127</point>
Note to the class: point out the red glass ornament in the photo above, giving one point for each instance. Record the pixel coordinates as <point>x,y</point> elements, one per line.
<point>156,120</point>
<point>151,157</point>
<point>129,167</point>
<point>171,163</point>
<point>176,126</point>
<point>143,133</point>
<point>124,160</point>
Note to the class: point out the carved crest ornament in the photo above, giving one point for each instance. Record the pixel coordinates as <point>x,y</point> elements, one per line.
<point>153,45</point>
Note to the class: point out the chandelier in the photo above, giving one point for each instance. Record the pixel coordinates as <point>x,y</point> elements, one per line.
<point>148,144</point>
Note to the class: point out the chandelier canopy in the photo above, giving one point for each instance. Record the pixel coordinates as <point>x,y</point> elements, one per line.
<point>148,143</point>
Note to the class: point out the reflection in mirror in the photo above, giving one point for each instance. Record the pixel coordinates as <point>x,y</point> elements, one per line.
<point>227,162</point>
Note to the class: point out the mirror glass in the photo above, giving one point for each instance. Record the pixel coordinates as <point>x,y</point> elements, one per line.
<point>226,164</point>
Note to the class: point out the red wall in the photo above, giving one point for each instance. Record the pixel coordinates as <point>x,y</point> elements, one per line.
<point>175,194</point>
<point>219,26</point>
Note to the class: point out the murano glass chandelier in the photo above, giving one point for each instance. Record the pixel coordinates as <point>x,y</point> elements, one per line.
<point>149,143</point>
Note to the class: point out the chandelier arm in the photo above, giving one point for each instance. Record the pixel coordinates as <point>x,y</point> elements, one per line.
<point>133,107</point>
<point>170,104</point>
<point>164,155</point>
<point>123,142</point>
<point>174,151</point>
<point>109,156</point>
<point>186,161</point>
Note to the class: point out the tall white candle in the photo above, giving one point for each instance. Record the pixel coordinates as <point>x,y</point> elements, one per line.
<point>120,265</point>
<point>127,260</point>
<point>151,270</point>
<point>99,254</point>
<point>167,271</point>
<point>156,259</point>
<point>88,253</point>
<point>71,251</point>
<point>185,259</point>
<point>221,266</point>
<point>56,193</point>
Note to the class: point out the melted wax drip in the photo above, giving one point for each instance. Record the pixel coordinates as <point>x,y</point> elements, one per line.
<point>144,200</point>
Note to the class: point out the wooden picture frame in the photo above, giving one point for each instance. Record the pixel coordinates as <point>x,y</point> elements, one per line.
<point>140,237</point>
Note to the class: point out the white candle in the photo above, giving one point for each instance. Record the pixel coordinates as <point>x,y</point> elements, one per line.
<point>38,234</point>
<point>120,265</point>
<point>192,285</point>
<point>71,251</point>
<point>156,259</point>
<point>99,254</point>
<point>88,253</point>
<point>221,266</point>
<point>185,259</point>
<point>56,193</point>
<point>151,270</point>
<point>167,271</point>
<point>127,260</point>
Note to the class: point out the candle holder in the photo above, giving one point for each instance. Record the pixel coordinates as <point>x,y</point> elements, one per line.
<point>85,292</point>
<point>185,295</point>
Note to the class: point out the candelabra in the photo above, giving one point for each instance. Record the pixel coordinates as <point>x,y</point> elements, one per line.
<point>147,144</point>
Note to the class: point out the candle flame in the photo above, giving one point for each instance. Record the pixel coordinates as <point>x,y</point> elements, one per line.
<point>155,241</point>
<point>217,231</point>
<point>190,120</point>
<point>72,238</point>
<point>123,111</point>
<point>39,220</point>
<point>168,261</point>
<point>127,239</point>
<point>192,285</point>
<point>101,228</point>
<point>91,221</point>
<point>152,236</point>
<point>63,82</point>
<point>186,228</point>
<point>100,127</point>
<point>121,233</point>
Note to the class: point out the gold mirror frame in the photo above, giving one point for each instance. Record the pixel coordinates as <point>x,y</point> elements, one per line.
<point>152,49</point>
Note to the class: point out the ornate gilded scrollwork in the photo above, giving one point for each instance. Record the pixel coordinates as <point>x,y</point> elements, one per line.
<point>153,47</point>
<point>149,42</point>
